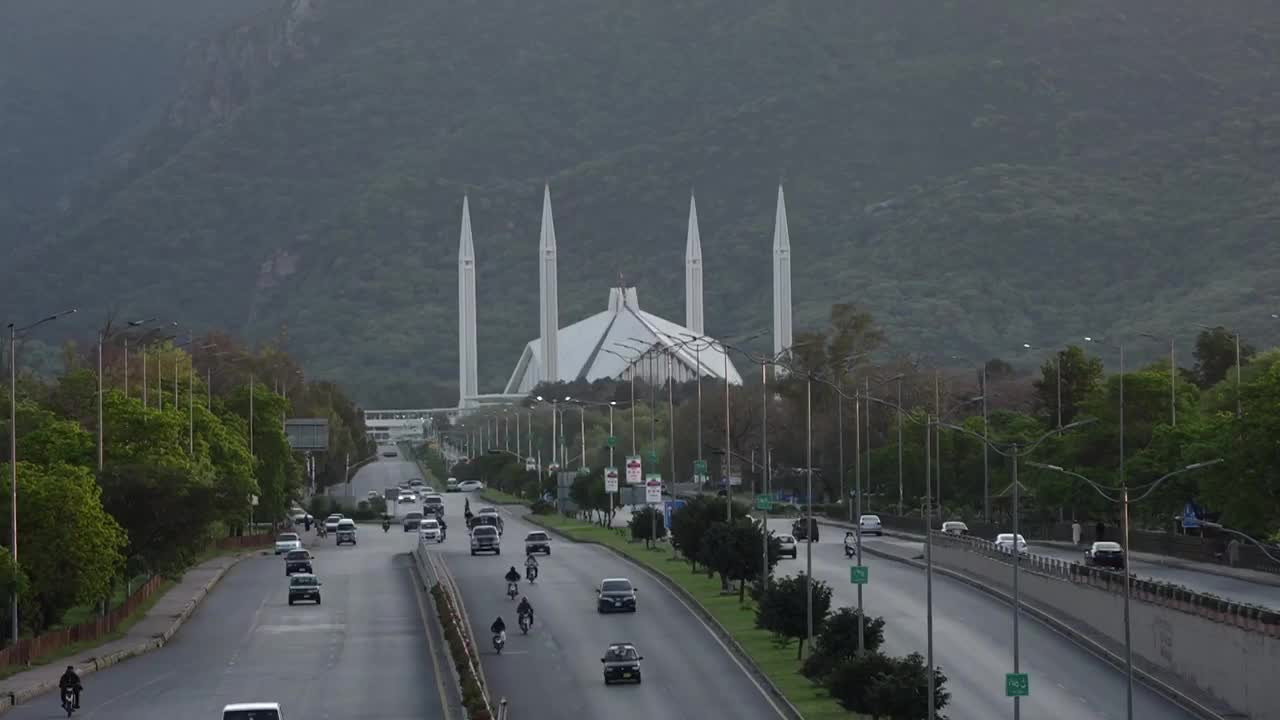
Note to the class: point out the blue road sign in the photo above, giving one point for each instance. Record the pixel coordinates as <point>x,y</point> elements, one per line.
<point>669,507</point>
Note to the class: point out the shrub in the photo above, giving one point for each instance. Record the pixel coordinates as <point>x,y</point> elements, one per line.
<point>542,507</point>
<point>880,686</point>
<point>838,641</point>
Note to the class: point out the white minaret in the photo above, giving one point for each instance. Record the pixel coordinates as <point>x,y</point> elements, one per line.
<point>781,279</point>
<point>548,292</point>
<point>693,273</point>
<point>468,383</point>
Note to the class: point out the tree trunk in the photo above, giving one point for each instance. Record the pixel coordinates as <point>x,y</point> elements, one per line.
<point>800,650</point>
<point>742,591</point>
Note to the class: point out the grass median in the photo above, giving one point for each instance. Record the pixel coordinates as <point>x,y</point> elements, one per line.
<point>497,497</point>
<point>778,663</point>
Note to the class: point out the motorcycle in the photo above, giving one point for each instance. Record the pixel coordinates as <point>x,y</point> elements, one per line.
<point>531,573</point>
<point>525,621</point>
<point>68,700</point>
<point>499,641</point>
<point>512,590</point>
<point>385,526</point>
<point>848,549</point>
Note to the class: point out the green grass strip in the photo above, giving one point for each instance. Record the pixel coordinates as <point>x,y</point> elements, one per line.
<point>497,497</point>
<point>778,663</point>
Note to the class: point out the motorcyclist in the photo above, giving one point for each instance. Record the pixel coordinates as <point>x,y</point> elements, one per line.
<point>531,567</point>
<point>466,507</point>
<point>498,627</point>
<point>386,524</point>
<point>848,541</point>
<point>513,577</point>
<point>71,680</point>
<point>525,608</point>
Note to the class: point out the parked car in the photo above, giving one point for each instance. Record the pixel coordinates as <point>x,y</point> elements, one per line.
<point>870,525</point>
<point>955,527</point>
<point>801,532</point>
<point>787,547</point>
<point>297,561</point>
<point>486,539</point>
<point>621,663</point>
<point>287,541</point>
<point>346,532</point>
<point>1105,554</point>
<point>304,586</point>
<point>537,541</point>
<point>411,521</point>
<point>1004,543</point>
<point>616,595</point>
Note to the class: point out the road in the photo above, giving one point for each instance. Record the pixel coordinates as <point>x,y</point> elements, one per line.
<point>973,642</point>
<point>1225,587</point>
<point>386,473</point>
<point>361,654</point>
<point>555,671</point>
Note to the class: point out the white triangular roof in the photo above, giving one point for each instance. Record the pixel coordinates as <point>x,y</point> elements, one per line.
<point>581,346</point>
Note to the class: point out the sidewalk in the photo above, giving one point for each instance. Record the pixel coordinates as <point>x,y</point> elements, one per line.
<point>151,631</point>
<point>1243,574</point>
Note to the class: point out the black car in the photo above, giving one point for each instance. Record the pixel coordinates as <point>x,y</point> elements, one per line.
<point>621,663</point>
<point>491,520</point>
<point>616,595</point>
<point>1105,554</point>
<point>802,530</point>
<point>304,587</point>
<point>297,561</point>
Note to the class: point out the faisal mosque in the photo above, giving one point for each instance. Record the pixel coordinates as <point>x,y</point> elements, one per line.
<point>621,342</point>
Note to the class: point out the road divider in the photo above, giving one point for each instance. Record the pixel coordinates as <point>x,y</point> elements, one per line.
<point>773,668</point>
<point>455,627</point>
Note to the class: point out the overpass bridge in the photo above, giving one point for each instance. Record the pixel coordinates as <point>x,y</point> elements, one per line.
<point>397,424</point>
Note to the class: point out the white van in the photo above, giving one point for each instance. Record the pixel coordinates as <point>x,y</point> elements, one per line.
<point>252,711</point>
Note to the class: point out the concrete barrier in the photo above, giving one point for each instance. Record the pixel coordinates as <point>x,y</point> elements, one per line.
<point>1229,652</point>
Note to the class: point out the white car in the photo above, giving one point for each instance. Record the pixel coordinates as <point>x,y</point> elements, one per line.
<point>331,522</point>
<point>346,531</point>
<point>486,539</point>
<point>429,529</point>
<point>288,541</point>
<point>252,711</point>
<point>406,499</point>
<point>1004,543</point>
<point>955,527</point>
<point>870,525</point>
<point>487,510</point>
<point>470,485</point>
<point>787,547</point>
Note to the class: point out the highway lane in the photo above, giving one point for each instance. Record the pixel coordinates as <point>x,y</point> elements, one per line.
<point>386,473</point>
<point>1226,587</point>
<point>555,670</point>
<point>361,654</point>
<point>973,642</point>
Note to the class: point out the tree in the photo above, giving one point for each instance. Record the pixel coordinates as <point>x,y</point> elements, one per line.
<point>885,687</point>
<point>781,609</point>
<point>163,510</point>
<point>1215,355</point>
<point>689,525</point>
<point>838,641</point>
<point>1080,376</point>
<point>647,524</point>
<point>71,548</point>
<point>735,551</point>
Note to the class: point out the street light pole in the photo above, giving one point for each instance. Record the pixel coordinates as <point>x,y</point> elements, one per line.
<point>808,544</point>
<point>1017,597</point>
<point>901,488</point>
<point>857,495</point>
<point>728,458</point>
<point>13,455</point>
<point>101,338</point>
<point>986,468</point>
<point>840,442</point>
<point>764,449</point>
<point>928,560</point>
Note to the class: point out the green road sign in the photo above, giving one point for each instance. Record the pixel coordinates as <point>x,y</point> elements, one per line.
<point>858,574</point>
<point>764,502</point>
<point>1017,685</point>
<point>651,456</point>
<point>612,441</point>
<point>699,467</point>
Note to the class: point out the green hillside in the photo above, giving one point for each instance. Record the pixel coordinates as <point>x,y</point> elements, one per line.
<point>978,173</point>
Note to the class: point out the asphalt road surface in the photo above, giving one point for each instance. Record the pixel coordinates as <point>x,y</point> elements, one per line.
<point>1231,588</point>
<point>361,654</point>
<point>387,473</point>
<point>973,642</point>
<point>555,671</point>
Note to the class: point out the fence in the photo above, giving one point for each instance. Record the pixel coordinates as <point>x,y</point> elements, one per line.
<point>236,542</point>
<point>24,651</point>
<point>1246,617</point>
<point>1195,548</point>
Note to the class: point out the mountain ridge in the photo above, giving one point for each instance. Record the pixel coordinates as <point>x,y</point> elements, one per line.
<point>980,174</point>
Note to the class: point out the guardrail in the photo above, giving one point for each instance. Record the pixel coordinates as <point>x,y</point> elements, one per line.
<point>1246,617</point>
<point>436,571</point>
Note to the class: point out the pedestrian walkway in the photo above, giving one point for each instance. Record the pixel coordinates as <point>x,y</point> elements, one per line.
<point>151,631</point>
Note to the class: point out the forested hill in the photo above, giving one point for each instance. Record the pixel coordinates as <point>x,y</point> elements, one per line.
<point>977,173</point>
